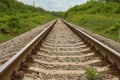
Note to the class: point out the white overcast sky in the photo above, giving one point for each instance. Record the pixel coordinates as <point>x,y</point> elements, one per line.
<point>54,5</point>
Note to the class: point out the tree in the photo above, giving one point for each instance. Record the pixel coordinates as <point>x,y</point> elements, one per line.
<point>3,7</point>
<point>108,0</point>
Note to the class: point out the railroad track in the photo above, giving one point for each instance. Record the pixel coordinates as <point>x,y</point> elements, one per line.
<point>61,52</point>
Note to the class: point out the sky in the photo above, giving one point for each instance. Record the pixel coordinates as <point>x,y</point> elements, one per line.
<point>54,5</point>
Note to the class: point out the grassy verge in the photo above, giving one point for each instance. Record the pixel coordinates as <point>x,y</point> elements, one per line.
<point>14,25</point>
<point>5,37</point>
<point>105,25</point>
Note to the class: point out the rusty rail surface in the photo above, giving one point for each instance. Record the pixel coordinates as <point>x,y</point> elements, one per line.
<point>13,64</point>
<point>112,55</point>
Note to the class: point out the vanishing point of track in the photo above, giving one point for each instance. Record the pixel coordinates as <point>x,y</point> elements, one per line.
<point>61,52</point>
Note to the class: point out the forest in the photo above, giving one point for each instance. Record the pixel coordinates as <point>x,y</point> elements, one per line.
<point>98,16</point>
<point>17,18</point>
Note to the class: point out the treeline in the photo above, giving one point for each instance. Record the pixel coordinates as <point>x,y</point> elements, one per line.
<point>99,16</point>
<point>17,18</point>
<point>109,0</point>
<point>59,14</point>
<point>94,7</point>
<point>13,6</point>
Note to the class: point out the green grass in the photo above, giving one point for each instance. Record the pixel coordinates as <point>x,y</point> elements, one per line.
<point>105,25</point>
<point>4,38</point>
<point>17,18</point>
<point>92,74</point>
<point>14,25</point>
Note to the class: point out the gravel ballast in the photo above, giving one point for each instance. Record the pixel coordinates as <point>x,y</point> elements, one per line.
<point>111,43</point>
<point>11,47</point>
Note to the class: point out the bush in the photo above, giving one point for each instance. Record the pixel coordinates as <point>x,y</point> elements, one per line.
<point>5,29</point>
<point>115,27</point>
<point>3,7</point>
<point>13,22</point>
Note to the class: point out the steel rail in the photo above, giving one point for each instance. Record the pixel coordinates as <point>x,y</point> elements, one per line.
<point>13,64</point>
<point>112,55</point>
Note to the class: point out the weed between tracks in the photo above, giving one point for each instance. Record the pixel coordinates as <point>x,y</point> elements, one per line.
<point>92,73</point>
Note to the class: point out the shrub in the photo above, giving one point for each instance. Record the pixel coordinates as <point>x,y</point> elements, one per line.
<point>113,28</point>
<point>13,22</point>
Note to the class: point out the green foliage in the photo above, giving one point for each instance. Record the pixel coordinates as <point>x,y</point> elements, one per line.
<point>92,74</point>
<point>115,27</point>
<point>13,22</point>
<point>57,14</point>
<point>2,6</point>
<point>97,16</point>
<point>95,7</point>
<point>17,18</point>
<point>22,22</point>
<point>5,37</point>
<point>111,0</point>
